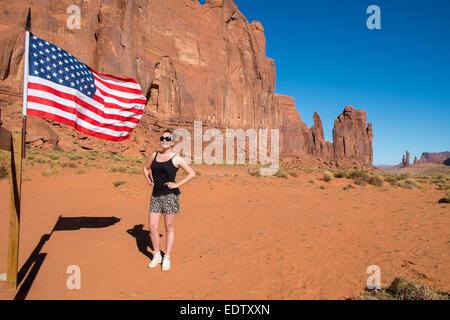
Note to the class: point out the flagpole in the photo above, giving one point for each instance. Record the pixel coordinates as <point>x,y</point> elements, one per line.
<point>25,82</point>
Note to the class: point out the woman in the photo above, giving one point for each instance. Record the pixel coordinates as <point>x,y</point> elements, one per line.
<point>165,196</point>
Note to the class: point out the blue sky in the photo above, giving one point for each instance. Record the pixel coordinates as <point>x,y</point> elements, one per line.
<point>327,58</point>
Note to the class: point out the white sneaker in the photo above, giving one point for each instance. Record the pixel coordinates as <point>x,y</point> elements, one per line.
<point>166,263</point>
<point>157,258</point>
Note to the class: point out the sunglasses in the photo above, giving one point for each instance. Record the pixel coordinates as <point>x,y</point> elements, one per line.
<point>165,138</point>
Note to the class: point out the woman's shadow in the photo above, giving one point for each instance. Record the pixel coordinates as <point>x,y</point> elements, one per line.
<point>142,239</point>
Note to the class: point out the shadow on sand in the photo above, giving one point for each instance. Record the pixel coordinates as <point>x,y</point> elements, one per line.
<point>142,239</point>
<point>30,268</point>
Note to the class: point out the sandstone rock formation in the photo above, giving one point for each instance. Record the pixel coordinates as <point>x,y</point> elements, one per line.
<point>405,161</point>
<point>193,62</point>
<point>435,157</point>
<point>426,157</point>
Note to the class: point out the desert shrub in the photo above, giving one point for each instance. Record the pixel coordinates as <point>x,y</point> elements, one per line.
<point>408,183</point>
<point>340,174</point>
<point>107,156</point>
<point>391,179</point>
<point>75,156</point>
<point>69,164</point>
<point>402,289</point>
<point>81,171</point>
<point>198,172</point>
<point>327,176</point>
<point>311,181</point>
<point>446,199</point>
<point>363,177</point>
<point>376,180</point>
<point>40,160</point>
<point>50,172</point>
<point>254,171</point>
<point>122,169</point>
<point>118,183</point>
<point>4,164</point>
<point>443,186</point>
<point>359,181</point>
<point>322,187</point>
<point>293,173</point>
<point>53,156</point>
<point>138,160</point>
<point>359,175</point>
<point>282,173</point>
<point>349,186</point>
<point>404,176</point>
<point>134,170</point>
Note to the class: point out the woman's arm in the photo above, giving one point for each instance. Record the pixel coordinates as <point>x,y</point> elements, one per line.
<point>145,169</point>
<point>182,164</point>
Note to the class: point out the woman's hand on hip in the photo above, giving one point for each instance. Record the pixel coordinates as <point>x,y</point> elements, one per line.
<point>171,185</point>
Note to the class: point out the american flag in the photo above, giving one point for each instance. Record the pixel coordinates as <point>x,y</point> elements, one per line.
<point>63,89</point>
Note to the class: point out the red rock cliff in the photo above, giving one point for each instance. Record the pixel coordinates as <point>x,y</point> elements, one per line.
<point>193,62</point>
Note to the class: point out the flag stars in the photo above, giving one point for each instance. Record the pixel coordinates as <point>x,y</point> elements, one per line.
<point>55,65</point>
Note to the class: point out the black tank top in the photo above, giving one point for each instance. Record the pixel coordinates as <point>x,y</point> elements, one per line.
<point>163,172</point>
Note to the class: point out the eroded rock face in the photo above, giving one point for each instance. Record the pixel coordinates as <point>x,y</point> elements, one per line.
<point>435,157</point>
<point>193,62</point>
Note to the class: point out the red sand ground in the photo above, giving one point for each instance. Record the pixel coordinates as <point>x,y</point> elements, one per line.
<point>237,237</point>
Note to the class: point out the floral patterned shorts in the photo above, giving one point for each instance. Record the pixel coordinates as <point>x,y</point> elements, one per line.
<point>165,204</point>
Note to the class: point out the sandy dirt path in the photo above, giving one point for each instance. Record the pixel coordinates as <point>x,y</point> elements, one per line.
<point>237,237</point>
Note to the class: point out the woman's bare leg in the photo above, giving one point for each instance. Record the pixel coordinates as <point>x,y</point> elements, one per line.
<point>169,222</point>
<point>153,223</point>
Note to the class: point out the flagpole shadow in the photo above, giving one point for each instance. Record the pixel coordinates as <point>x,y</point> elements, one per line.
<point>30,268</point>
